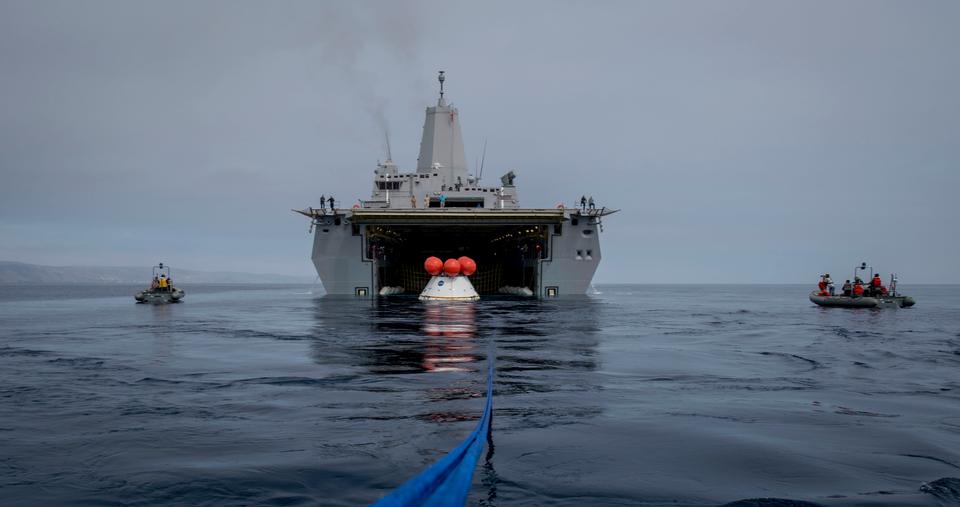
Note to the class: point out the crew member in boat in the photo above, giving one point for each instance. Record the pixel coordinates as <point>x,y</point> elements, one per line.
<point>847,288</point>
<point>163,282</point>
<point>876,285</point>
<point>822,287</point>
<point>822,284</point>
<point>155,284</point>
<point>830,286</point>
<point>857,288</point>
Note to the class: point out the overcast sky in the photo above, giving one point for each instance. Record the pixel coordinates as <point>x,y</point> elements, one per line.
<point>744,141</point>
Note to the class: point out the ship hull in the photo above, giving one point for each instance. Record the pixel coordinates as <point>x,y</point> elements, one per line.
<point>552,252</point>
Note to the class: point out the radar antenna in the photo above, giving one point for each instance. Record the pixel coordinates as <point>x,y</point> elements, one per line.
<point>441,78</point>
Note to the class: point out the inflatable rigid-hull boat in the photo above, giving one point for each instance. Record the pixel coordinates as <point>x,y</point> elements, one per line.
<point>862,302</point>
<point>159,296</point>
<point>161,290</point>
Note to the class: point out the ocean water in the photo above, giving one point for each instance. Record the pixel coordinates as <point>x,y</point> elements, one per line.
<point>639,395</point>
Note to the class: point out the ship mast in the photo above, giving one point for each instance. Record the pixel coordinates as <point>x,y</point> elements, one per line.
<point>441,148</point>
<point>441,78</point>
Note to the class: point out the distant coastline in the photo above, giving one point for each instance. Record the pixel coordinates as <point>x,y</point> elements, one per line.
<point>22,273</point>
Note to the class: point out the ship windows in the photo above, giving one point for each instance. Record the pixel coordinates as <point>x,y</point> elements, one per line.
<point>579,256</point>
<point>589,256</point>
<point>388,185</point>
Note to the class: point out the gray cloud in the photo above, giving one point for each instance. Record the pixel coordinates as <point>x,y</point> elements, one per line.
<point>745,141</point>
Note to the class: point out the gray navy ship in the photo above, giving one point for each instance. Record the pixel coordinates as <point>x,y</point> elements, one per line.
<point>378,246</point>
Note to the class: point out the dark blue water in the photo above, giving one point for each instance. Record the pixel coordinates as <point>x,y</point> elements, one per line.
<point>641,395</point>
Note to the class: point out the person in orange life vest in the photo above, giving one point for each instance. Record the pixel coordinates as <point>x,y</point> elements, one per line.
<point>829,281</point>
<point>823,283</point>
<point>875,285</point>
<point>857,288</point>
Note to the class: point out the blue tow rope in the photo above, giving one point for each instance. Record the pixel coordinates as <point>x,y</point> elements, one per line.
<point>447,482</point>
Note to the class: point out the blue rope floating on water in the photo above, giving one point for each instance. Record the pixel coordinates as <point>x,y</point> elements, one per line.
<point>447,482</point>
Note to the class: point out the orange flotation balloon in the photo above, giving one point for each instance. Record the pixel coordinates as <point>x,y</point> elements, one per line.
<point>433,266</point>
<point>451,267</point>
<point>467,266</point>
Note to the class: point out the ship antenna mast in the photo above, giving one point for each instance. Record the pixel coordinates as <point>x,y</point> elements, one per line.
<point>386,136</point>
<point>483,158</point>
<point>441,78</point>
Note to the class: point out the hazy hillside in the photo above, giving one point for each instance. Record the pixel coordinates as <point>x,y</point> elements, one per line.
<point>23,273</point>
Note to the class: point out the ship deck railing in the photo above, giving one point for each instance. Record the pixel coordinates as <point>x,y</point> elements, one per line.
<point>456,215</point>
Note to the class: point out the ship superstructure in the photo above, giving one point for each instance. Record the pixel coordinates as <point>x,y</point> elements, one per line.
<point>441,209</point>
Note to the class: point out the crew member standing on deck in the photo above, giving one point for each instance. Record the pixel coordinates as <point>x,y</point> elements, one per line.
<point>590,203</point>
<point>583,203</point>
<point>331,202</point>
<point>443,201</point>
<point>426,200</point>
<point>413,201</point>
<point>323,202</point>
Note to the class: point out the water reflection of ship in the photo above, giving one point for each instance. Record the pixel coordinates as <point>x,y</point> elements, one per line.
<point>450,329</point>
<point>544,348</point>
